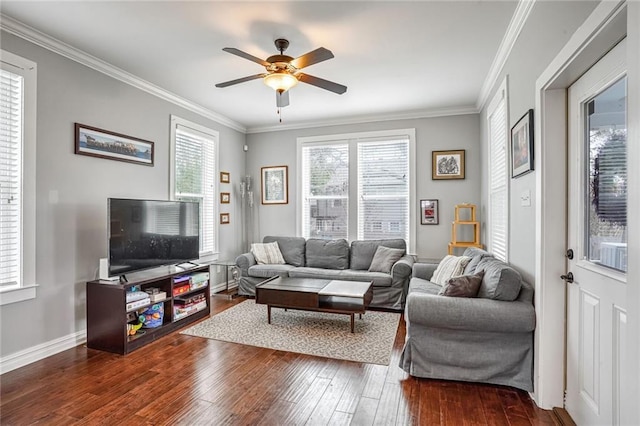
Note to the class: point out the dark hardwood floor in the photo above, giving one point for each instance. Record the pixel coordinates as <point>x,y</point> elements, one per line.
<point>192,381</point>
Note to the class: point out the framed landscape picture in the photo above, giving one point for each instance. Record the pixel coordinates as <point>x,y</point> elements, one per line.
<point>275,183</point>
<point>429,212</point>
<point>447,164</point>
<point>522,145</point>
<point>101,143</point>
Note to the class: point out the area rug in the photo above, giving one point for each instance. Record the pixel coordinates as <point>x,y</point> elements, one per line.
<point>312,333</point>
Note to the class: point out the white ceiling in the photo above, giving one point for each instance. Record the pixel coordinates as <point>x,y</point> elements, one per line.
<point>397,58</point>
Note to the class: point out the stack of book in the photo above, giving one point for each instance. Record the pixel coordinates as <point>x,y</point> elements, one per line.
<point>199,280</point>
<point>187,305</point>
<point>137,299</point>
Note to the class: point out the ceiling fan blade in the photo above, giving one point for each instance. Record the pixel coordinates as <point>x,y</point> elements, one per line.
<point>321,83</point>
<point>240,80</point>
<point>246,55</point>
<point>282,99</point>
<point>313,57</point>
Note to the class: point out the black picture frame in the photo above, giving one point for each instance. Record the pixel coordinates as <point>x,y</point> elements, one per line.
<point>522,146</point>
<point>102,143</point>
<point>429,212</point>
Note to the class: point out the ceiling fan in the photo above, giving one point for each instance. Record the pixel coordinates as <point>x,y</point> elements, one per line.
<point>283,72</point>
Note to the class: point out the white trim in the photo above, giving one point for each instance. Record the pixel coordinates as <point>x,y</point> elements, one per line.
<point>591,40</point>
<point>518,20</point>
<point>176,121</point>
<point>17,294</point>
<point>41,39</point>
<point>41,351</point>
<point>411,115</point>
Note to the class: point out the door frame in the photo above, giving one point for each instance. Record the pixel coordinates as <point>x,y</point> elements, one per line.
<point>602,30</point>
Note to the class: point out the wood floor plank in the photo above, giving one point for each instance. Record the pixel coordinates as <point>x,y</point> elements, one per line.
<point>365,412</point>
<point>185,380</point>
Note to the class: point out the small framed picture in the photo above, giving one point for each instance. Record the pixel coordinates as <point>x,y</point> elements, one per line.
<point>225,219</point>
<point>447,164</point>
<point>225,177</point>
<point>429,212</point>
<point>522,145</point>
<point>101,143</point>
<point>275,183</point>
<point>225,197</point>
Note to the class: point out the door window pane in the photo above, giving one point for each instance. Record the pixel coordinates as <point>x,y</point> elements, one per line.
<point>607,191</point>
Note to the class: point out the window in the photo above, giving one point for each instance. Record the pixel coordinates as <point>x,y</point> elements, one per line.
<point>17,178</point>
<point>498,181</point>
<point>357,186</point>
<point>194,167</point>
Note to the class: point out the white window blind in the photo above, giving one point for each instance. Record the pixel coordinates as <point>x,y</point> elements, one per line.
<point>11,137</point>
<point>325,191</point>
<point>383,189</point>
<point>498,177</point>
<point>195,171</point>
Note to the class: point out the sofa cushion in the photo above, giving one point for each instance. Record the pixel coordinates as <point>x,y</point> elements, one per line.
<point>292,248</point>
<point>476,255</point>
<point>379,279</point>
<point>384,259</point>
<point>328,254</point>
<point>362,251</point>
<point>420,285</point>
<point>268,271</point>
<point>500,281</point>
<point>321,273</point>
<point>462,286</point>
<point>449,267</point>
<point>267,254</point>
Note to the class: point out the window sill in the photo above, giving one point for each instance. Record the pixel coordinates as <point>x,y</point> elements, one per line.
<point>19,294</point>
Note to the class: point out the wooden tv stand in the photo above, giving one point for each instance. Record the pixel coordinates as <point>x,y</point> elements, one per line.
<point>107,315</point>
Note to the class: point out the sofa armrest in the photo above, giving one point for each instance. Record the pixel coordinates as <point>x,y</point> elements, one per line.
<point>460,313</point>
<point>244,262</point>
<point>401,270</point>
<point>424,270</point>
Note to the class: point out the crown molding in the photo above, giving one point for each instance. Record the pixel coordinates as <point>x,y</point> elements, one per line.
<point>41,39</point>
<point>516,25</point>
<point>410,115</point>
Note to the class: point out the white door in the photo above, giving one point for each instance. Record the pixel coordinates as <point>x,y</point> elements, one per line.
<point>597,235</point>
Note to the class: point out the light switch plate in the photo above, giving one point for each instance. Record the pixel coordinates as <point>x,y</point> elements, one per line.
<point>525,198</point>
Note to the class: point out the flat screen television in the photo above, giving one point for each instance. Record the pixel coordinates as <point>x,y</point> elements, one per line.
<point>148,233</point>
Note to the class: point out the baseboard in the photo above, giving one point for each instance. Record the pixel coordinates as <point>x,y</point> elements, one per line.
<point>563,417</point>
<point>222,286</point>
<point>41,351</point>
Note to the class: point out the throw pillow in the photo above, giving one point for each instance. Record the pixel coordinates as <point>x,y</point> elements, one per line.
<point>384,258</point>
<point>449,267</point>
<point>267,253</point>
<point>462,286</point>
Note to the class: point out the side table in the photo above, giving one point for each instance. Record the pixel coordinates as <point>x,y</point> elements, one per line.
<point>229,269</point>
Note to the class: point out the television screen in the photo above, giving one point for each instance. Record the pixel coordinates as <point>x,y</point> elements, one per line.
<point>145,233</point>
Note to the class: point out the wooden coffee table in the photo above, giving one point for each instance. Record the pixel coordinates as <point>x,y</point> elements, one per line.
<point>309,294</point>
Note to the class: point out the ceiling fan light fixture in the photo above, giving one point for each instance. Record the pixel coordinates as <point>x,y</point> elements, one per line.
<point>280,81</point>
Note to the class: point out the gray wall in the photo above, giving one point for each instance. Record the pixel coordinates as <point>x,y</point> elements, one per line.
<point>532,53</point>
<point>71,233</point>
<point>443,133</point>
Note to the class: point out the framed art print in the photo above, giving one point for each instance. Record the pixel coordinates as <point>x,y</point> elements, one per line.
<point>522,145</point>
<point>275,184</point>
<point>101,143</point>
<point>447,164</point>
<point>429,212</point>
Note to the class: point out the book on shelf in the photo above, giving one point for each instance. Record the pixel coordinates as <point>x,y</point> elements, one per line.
<point>186,310</point>
<point>187,300</point>
<point>199,277</point>
<point>182,279</point>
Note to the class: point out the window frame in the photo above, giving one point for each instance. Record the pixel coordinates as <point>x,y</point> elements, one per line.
<point>352,140</point>
<point>215,135</point>
<point>501,96</point>
<point>26,287</point>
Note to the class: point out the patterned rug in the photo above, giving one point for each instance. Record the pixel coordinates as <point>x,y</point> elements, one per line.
<point>312,333</point>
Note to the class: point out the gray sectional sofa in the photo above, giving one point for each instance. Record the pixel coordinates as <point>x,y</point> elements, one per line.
<point>485,339</point>
<point>335,260</point>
